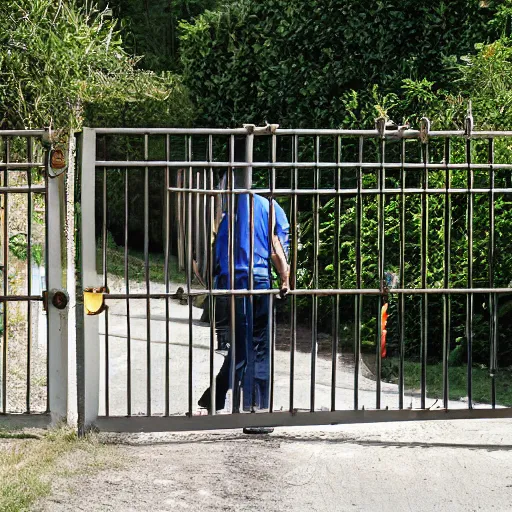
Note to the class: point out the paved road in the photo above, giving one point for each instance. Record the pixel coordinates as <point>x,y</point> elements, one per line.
<point>419,467</point>
<point>179,347</point>
<point>422,466</point>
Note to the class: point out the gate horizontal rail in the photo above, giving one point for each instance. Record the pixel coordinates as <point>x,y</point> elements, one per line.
<point>288,165</point>
<point>392,134</point>
<point>306,291</point>
<point>288,419</point>
<point>392,184</point>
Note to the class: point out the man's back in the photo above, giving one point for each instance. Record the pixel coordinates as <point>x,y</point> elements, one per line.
<point>241,239</point>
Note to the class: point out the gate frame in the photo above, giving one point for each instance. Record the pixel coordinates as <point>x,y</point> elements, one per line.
<point>88,331</point>
<point>60,406</point>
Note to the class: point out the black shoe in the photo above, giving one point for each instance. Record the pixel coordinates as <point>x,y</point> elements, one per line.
<point>206,403</point>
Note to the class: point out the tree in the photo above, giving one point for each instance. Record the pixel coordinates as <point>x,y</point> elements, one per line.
<point>59,60</point>
<point>149,29</point>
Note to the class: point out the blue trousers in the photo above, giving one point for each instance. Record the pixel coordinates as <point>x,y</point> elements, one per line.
<point>252,347</point>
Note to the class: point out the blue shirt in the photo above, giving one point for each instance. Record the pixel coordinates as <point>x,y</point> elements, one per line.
<point>242,238</point>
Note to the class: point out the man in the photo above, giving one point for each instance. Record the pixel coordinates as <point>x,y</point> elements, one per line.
<point>252,343</point>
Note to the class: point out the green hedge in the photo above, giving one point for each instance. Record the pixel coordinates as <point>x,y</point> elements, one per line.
<point>295,63</point>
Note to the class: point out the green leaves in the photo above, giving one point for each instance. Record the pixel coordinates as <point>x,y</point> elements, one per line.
<point>18,248</point>
<point>303,60</point>
<point>59,60</point>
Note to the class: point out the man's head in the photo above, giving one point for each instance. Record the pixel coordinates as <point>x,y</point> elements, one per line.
<point>242,179</point>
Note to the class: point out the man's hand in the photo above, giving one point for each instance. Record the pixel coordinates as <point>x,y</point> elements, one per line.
<point>284,284</point>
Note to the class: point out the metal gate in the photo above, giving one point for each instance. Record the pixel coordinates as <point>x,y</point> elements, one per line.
<point>33,354</point>
<point>410,223</point>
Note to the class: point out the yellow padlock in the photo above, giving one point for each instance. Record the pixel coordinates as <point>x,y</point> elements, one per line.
<point>94,300</point>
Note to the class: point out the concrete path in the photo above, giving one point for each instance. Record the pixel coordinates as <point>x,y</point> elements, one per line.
<point>394,467</point>
<point>425,466</point>
<point>179,357</point>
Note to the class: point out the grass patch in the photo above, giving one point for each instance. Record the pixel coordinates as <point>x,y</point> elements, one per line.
<point>136,264</point>
<point>8,434</point>
<point>29,466</point>
<point>457,376</point>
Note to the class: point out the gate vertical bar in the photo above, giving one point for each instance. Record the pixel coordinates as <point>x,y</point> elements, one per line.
<point>469,310</point>
<point>167,242</point>
<point>235,398</point>
<point>447,274</point>
<point>271,216</point>
<point>147,276</point>
<point>250,315</point>
<point>423,262</point>
<point>316,245</point>
<point>29,273</point>
<point>493,303</point>
<point>5,272</point>
<point>293,270</point>
<point>189,277</point>
<point>105,284</point>
<point>358,297</point>
<point>401,299</point>
<point>87,327</point>
<point>249,156</point>
<point>381,241</point>
<point>46,268</point>
<point>127,291</point>
<point>211,284</point>
<point>336,298</point>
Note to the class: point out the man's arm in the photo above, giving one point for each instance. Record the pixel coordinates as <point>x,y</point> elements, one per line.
<point>280,262</point>
<point>281,265</point>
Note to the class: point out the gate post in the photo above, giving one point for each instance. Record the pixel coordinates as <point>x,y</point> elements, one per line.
<point>87,327</point>
<point>249,155</point>
<point>57,318</point>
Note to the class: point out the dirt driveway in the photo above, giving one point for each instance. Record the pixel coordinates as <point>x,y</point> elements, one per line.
<point>422,466</point>
<point>452,466</point>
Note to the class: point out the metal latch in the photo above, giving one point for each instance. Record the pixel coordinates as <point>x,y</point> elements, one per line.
<point>94,300</point>
<point>59,299</point>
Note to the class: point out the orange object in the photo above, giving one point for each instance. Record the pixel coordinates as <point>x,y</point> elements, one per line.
<point>57,159</point>
<point>383,331</point>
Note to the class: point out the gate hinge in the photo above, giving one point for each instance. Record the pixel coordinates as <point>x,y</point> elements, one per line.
<point>94,300</point>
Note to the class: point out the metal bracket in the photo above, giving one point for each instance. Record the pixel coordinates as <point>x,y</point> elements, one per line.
<point>380,126</point>
<point>268,129</point>
<point>59,298</point>
<point>424,129</point>
<point>94,300</point>
<point>388,129</point>
<point>47,138</point>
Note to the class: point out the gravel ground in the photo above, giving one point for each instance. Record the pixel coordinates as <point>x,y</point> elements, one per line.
<point>423,466</point>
